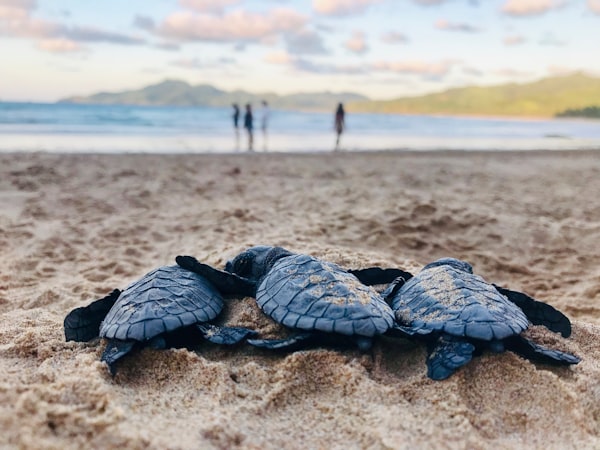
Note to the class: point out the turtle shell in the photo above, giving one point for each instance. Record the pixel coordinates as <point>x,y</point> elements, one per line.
<point>444,299</point>
<point>163,300</point>
<point>303,292</point>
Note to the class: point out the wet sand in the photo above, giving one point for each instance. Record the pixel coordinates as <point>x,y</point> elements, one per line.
<point>74,227</point>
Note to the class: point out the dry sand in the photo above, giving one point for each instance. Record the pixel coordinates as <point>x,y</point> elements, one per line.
<point>73,227</point>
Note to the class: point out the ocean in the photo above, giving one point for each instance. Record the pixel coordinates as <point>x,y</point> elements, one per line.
<point>37,127</point>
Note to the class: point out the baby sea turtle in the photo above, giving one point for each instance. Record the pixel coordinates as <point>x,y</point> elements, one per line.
<point>318,299</point>
<point>461,314</point>
<point>165,308</point>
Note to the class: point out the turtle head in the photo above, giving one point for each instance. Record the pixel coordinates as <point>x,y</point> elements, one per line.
<point>452,262</point>
<point>255,263</point>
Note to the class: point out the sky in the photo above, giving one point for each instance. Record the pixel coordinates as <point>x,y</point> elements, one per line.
<point>51,49</point>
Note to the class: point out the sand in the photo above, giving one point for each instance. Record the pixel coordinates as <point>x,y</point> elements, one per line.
<point>74,227</point>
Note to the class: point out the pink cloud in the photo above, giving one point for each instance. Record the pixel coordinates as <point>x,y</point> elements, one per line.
<point>16,20</point>
<point>233,26</point>
<point>27,27</point>
<point>16,9</point>
<point>455,26</point>
<point>208,5</point>
<point>356,43</point>
<point>512,73</point>
<point>429,2</point>
<point>59,45</point>
<point>394,37</point>
<point>514,40</point>
<point>530,7</point>
<point>594,5</point>
<point>279,57</point>
<point>341,7</point>
<point>561,70</point>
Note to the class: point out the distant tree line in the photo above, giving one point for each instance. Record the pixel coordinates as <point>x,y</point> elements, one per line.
<point>590,112</point>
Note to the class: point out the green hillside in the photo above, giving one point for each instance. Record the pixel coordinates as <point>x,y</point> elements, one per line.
<point>545,98</point>
<point>180,93</point>
<point>590,112</point>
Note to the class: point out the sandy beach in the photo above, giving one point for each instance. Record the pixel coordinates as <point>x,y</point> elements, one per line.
<point>74,227</point>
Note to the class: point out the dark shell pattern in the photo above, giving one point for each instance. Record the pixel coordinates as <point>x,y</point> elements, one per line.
<point>306,293</point>
<point>444,299</point>
<point>163,300</point>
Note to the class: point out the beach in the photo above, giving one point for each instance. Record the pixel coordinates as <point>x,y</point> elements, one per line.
<point>73,227</point>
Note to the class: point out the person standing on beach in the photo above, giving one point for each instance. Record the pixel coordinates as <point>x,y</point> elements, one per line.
<point>248,125</point>
<point>236,115</point>
<point>339,124</point>
<point>264,121</point>
<point>236,120</point>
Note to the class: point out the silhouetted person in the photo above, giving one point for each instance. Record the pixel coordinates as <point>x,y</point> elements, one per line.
<point>264,121</point>
<point>248,125</point>
<point>339,124</point>
<point>236,120</point>
<point>236,115</point>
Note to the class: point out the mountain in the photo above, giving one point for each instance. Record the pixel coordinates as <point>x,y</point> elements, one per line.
<point>180,93</point>
<point>544,98</point>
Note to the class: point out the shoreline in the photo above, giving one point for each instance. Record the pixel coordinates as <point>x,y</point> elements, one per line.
<point>75,226</point>
<point>259,151</point>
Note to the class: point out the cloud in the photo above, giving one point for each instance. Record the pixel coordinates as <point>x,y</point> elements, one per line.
<point>30,28</point>
<point>561,70</point>
<point>305,42</point>
<point>23,4</point>
<point>92,34</point>
<point>512,73</point>
<point>429,2</point>
<point>437,69</point>
<point>278,57</point>
<point>594,5</point>
<point>342,7</point>
<point>59,46</point>
<point>144,22</point>
<point>514,40</point>
<point>167,46</point>
<point>427,70</point>
<point>520,8</point>
<point>394,37</point>
<point>472,71</point>
<point>551,40</point>
<point>215,6</point>
<point>14,11</point>
<point>190,63</point>
<point>356,43</point>
<point>305,65</point>
<point>197,63</point>
<point>231,27</point>
<point>454,26</point>
<point>16,21</point>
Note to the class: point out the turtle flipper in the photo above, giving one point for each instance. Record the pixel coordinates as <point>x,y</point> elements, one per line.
<point>402,331</point>
<point>291,343</point>
<point>376,275</point>
<point>224,335</point>
<point>446,355</point>
<point>390,292</point>
<point>227,283</point>
<point>83,324</point>
<point>115,350</point>
<point>539,313</point>
<point>536,352</point>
